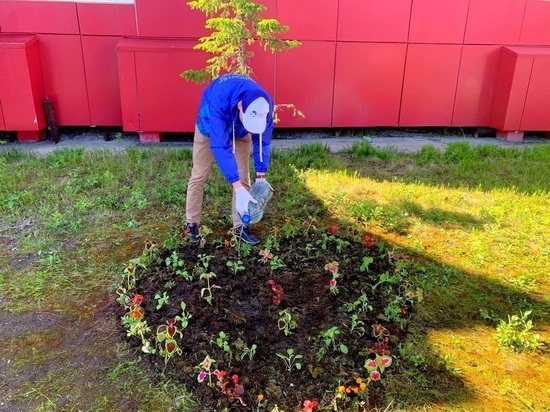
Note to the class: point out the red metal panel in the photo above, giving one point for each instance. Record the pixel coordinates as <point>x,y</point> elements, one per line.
<point>367,89</point>
<point>38,17</point>
<point>128,87</point>
<point>536,115</point>
<point>476,85</point>
<point>100,62</point>
<point>64,78</point>
<point>21,87</point>
<point>304,77</point>
<point>263,67</point>
<point>437,21</point>
<point>536,23</point>
<point>511,90</point>
<point>169,18</point>
<point>431,75</point>
<point>489,23</point>
<point>167,103</point>
<point>374,20</point>
<point>107,19</point>
<point>308,19</point>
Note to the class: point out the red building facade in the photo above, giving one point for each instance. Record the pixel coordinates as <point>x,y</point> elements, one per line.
<point>362,63</point>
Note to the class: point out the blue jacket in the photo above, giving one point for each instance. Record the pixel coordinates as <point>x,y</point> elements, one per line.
<point>219,114</point>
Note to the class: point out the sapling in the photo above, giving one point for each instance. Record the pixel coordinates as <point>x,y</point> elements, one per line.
<point>178,264</point>
<point>290,359</point>
<point>235,266</point>
<point>162,299</point>
<point>208,287</point>
<point>223,342</point>
<point>185,316</point>
<point>329,338</point>
<point>236,24</point>
<point>276,263</point>
<point>285,322</point>
<point>250,352</point>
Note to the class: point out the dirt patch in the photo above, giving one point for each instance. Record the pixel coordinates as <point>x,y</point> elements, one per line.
<point>46,360</point>
<point>308,316</point>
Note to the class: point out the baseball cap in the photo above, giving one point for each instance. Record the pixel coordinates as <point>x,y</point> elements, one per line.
<point>255,110</point>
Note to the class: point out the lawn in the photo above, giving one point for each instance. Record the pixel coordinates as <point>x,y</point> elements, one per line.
<point>469,226</point>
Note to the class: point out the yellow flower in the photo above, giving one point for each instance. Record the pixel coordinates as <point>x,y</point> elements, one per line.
<point>363,386</point>
<point>358,380</point>
<point>341,389</point>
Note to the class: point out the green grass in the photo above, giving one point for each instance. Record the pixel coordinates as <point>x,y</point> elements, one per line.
<point>472,220</point>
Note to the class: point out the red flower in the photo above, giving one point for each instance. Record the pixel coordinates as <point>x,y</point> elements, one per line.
<point>332,230</point>
<point>309,406</point>
<point>137,299</point>
<point>277,290</point>
<point>368,242</point>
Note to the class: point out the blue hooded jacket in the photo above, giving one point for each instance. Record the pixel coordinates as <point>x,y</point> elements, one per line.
<point>218,118</point>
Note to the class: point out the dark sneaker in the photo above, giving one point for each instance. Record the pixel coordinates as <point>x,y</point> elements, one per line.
<point>193,232</point>
<point>246,236</point>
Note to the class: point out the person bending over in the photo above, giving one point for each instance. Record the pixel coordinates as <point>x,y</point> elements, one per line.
<point>235,120</point>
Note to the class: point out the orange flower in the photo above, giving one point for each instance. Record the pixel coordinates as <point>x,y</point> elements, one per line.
<point>260,397</point>
<point>363,386</point>
<point>226,242</point>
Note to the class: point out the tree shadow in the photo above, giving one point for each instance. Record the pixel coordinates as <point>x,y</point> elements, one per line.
<point>455,300</point>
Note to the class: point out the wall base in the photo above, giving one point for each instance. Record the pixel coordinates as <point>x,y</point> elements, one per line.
<point>30,135</point>
<point>150,137</point>
<point>514,137</point>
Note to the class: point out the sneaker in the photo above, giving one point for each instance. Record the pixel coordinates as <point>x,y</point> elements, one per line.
<point>246,236</point>
<point>192,232</point>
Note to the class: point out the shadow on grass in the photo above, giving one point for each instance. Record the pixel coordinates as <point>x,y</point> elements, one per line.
<point>455,299</point>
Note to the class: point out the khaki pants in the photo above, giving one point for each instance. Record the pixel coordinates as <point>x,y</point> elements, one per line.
<point>202,162</point>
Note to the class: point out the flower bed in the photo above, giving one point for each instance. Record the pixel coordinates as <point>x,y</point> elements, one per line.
<point>306,320</point>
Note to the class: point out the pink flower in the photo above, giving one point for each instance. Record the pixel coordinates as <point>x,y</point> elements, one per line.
<point>332,286</point>
<point>371,363</point>
<point>265,255</point>
<point>332,267</point>
<point>202,376</point>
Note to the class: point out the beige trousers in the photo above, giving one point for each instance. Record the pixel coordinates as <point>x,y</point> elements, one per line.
<point>202,162</point>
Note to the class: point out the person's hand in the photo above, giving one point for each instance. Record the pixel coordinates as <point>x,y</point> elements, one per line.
<point>242,198</point>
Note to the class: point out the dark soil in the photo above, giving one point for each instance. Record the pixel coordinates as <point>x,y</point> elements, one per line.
<point>244,307</point>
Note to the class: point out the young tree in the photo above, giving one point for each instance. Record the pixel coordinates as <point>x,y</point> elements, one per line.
<point>236,24</point>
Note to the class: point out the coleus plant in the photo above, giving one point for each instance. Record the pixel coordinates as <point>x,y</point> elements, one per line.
<point>165,335</point>
<point>377,366</point>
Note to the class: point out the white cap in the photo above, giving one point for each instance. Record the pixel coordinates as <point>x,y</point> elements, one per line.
<point>255,115</point>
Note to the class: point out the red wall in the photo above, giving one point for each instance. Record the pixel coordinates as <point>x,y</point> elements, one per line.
<point>396,63</point>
